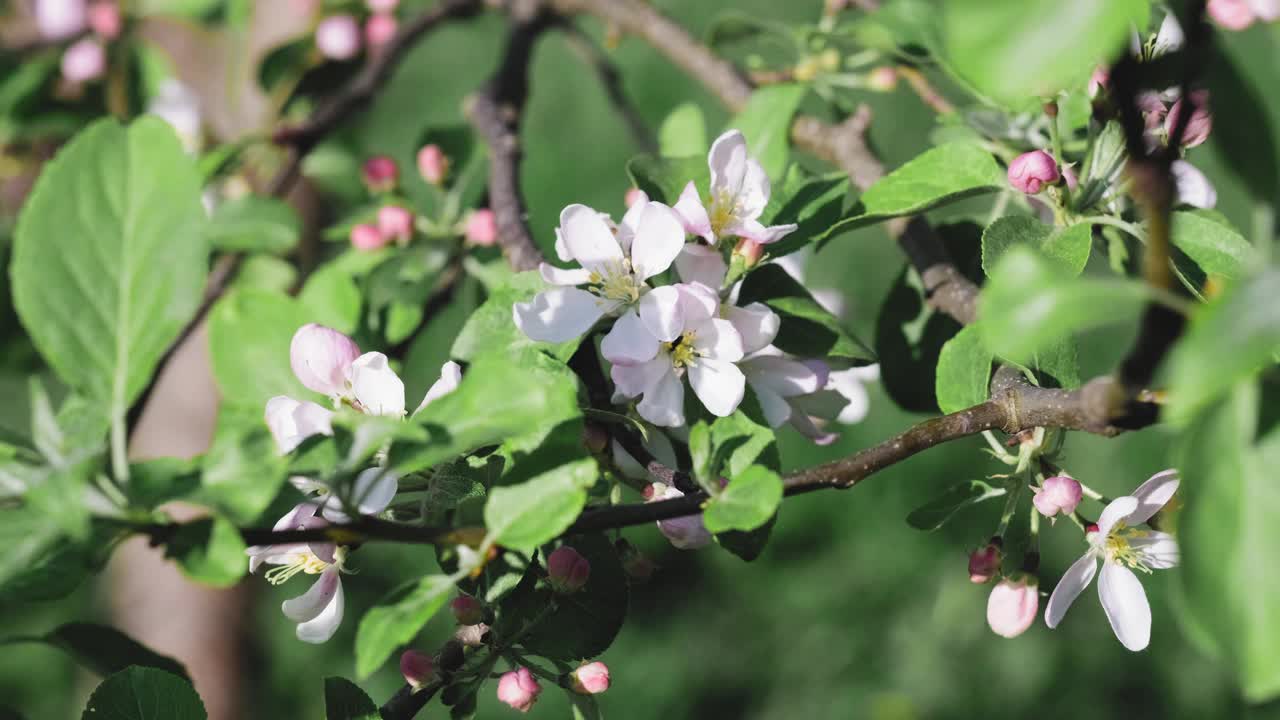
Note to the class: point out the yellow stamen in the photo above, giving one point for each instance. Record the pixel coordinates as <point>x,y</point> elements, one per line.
<point>616,282</point>
<point>306,563</point>
<point>1119,550</point>
<point>682,351</point>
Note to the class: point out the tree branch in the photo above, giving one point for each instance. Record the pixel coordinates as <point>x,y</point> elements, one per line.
<point>611,80</point>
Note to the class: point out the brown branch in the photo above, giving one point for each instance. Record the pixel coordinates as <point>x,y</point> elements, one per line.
<point>611,80</point>
<point>925,90</point>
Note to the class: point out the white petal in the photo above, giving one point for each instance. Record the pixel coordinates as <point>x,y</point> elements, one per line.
<point>558,315</point>
<point>782,376</point>
<point>634,380</point>
<point>562,250</point>
<point>728,163</point>
<point>663,403</point>
<point>323,626</point>
<point>374,489</point>
<point>1153,495</point>
<point>1266,10</point>
<point>559,276</point>
<point>313,602</point>
<point>763,235</point>
<point>320,356</point>
<point>701,264</point>
<point>450,378</point>
<point>1170,36</point>
<point>1125,603</point>
<point>658,240</point>
<point>698,302</point>
<point>685,533</point>
<point>631,222</point>
<point>776,409</point>
<point>660,311</point>
<point>693,214</point>
<point>1159,550</point>
<point>718,384</point>
<point>1193,188</point>
<point>292,421</point>
<point>376,386</point>
<point>629,342</point>
<point>805,426</point>
<point>1119,509</point>
<point>588,238</point>
<point>1073,582</point>
<point>849,384</point>
<point>754,194</point>
<point>717,339</point>
<point>756,323</point>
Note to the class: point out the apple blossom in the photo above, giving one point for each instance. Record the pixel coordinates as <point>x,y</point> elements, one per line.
<point>416,668</point>
<point>984,563</point>
<point>684,533</point>
<point>1031,171</point>
<point>1200,123</point>
<point>633,196</point>
<point>1059,494</point>
<point>379,29</point>
<point>591,679</point>
<point>177,105</point>
<point>338,37</point>
<point>60,19</point>
<point>368,237</point>
<point>739,193</point>
<point>320,356</point>
<point>104,19</point>
<point>1231,14</point>
<point>882,79</point>
<point>1012,605</point>
<point>519,689</point>
<point>481,228</point>
<point>1122,548</point>
<point>1266,10</point>
<point>396,223</point>
<point>292,421</point>
<point>567,570</point>
<point>433,164</point>
<point>84,61</point>
<point>1169,37</point>
<point>1098,80</point>
<point>318,611</point>
<point>1192,187</point>
<point>380,174</point>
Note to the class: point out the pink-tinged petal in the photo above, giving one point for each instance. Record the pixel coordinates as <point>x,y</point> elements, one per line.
<point>589,238</point>
<point>775,408</point>
<point>1159,550</point>
<point>685,533</point>
<point>322,627</point>
<point>558,314</point>
<point>728,163</point>
<point>1125,603</point>
<point>310,604</point>
<point>1012,606</point>
<point>753,230</point>
<point>1193,187</point>
<point>693,214</point>
<point>698,302</point>
<point>821,371</point>
<point>718,384</point>
<point>320,356</point>
<point>782,376</point>
<point>717,339</point>
<point>631,220</point>
<point>658,240</point>
<point>292,421</point>
<point>450,378</point>
<point>663,402</point>
<point>703,265</point>
<point>1073,582</point>
<point>806,427</point>
<point>372,491</point>
<point>1153,495</point>
<point>660,312</point>
<point>629,342</point>
<point>559,276</point>
<point>1119,509</point>
<point>756,323</point>
<point>1267,10</point>
<point>376,386</point>
<point>635,380</point>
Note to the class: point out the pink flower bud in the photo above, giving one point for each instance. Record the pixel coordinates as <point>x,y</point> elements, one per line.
<point>467,610</point>
<point>433,164</point>
<point>379,29</point>
<point>750,250</point>
<point>591,679</point>
<point>567,570</point>
<point>368,237</point>
<point>1012,605</point>
<point>1198,126</point>
<point>1059,494</point>
<point>1030,172</point>
<point>1098,80</point>
<point>1153,110</point>
<point>60,19</point>
<point>519,689</point>
<point>1266,10</point>
<point>984,563</point>
<point>1069,176</point>
<point>320,357</point>
<point>338,37</point>
<point>417,668</point>
<point>1231,14</point>
<point>380,173</point>
<point>882,79</point>
<point>104,19</point>
<point>85,60</point>
<point>471,635</point>
<point>395,222</point>
<point>633,196</point>
<point>381,6</point>
<point>482,228</point>
<point>685,533</point>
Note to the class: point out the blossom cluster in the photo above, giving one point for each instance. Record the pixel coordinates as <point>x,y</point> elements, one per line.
<point>85,59</point>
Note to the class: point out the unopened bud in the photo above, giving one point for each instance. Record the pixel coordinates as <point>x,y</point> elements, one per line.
<point>471,635</point>
<point>1069,176</point>
<point>84,61</point>
<point>481,228</point>
<point>1030,172</point>
<point>379,29</point>
<point>396,223</point>
<point>338,37</point>
<point>320,357</point>
<point>1098,80</point>
<point>368,237</point>
<point>60,19</point>
<point>417,668</point>
<point>1200,123</point>
<point>1012,605</point>
<point>1051,109</point>
<point>1153,110</point>
<point>519,689</point>
<point>633,196</point>
<point>590,679</point>
<point>433,164</point>
<point>104,19</point>
<point>1232,14</point>
<point>882,79</point>
<point>750,251</point>
<point>380,173</point>
<point>984,563</point>
<point>1059,494</point>
<point>467,610</point>
<point>567,570</point>
<point>381,6</point>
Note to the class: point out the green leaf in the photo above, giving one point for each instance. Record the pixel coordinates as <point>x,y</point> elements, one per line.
<point>491,325</point>
<point>683,132</point>
<point>396,619</point>
<point>242,472</point>
<point>746,503</point>
<point>813,204</point>
<point>332,298</point>
<point>105,650</point>
<point>1206,237</point>
<point>209,551</point>
<point>964,371</point>
<point>741,441</point>
<point>265,272</point>
<point>766,124</point>
<point>1229,339</point>
<point>249,335</point>
<point>935,513</point>
<point>255,224</point>
<point>663,178</point>
<point>143,693</point>
<point>1066,247</point>
<point>1228,535</point>
<point>1016,49</point>
<point>1028,305</point>
<point>584,707</point>
<point>700,454</point>
<point>807,329</point>
<point>909,339</point>
<point>344,700</point>
<point>109,258</point>
<point>524,516</point>
<point>41,562</point>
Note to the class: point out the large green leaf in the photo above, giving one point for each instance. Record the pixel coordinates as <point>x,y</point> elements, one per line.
<point>242,471</point>
<point>1067,247</point>
<point>526,515</point>
<point>249,335</point>
<point>344,700</point>
<point>41,563</point>
<point>491,326</point>
<point>1206,237</point>
<point>935,513</point>
<point>683,132</point>
<point>105,650</point>
<point>766,124</point>
<point>209,551</point>
<point>964,371</point>
<point>813,203</point>
<point>396,619</point>
<point>109,258</point>
<point>143,693</point>
<point>808,329</point>
<point>255,224</point>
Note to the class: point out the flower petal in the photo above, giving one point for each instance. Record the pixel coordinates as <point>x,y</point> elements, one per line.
<point>717,339</point>
<point>661,314</point>
<point>589,239</point>
<point>1159,550</point>
<point>376,386</point>
<point>559,276</point>
<point>1125,603</point>
<point>728,163</point>
<point>663,402</point>
<point>753,230</point>
<point>782,376</point>
<point>698,302</point>
<point>322,627</point>
<point>1073,582</point>
<point>756,323</point>
<point>775,408</point>
<point>450,378</point>
<point>1193,188</point>
<point>635,380</point>
<point>372,491</point>
<point>562,250</point>
<point>753,196</point>
<point>718,384</point>
<point>629,342</point>
<point>292,421</point>
<point>701,264</point>
<point>693,215</point>
<point>631,221</point>
<point>1153,495</point>
<point>558,315</point>
<point>1119,509</point>
<point>319,357</point>
<point>806,427</point>
<point>313,602</point>
<point>658,240</point>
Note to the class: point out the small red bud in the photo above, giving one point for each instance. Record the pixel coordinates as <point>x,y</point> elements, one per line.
<point>984,564</point>
<point>417,668</point>
<point>380,173</point>
<point>591,679</point>
<point>467,610</point>
<point>567,570</point>
<point>1030,172</point>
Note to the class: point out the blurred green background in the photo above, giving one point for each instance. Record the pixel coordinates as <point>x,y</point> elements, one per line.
<point>849,613</point>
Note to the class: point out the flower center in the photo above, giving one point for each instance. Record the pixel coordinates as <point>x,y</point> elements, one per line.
<point>306,562</point>
<point>1119,550</point>
<point>724,209</point>
<point>682,352</point>
<point>615,281</point>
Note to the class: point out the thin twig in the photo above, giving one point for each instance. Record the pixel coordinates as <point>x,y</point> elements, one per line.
<point>611,80</point>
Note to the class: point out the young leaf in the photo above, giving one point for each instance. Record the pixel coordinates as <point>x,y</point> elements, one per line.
<point>935,513</point>
<point>683,132</point>
<point>332,298</point>
<point>766,124</point>
<point>242,472</point>
<point>249,336</point>
<point>105,650</point>
<point>144,693</point>
<point>41,562</point>
<point>209,551</point>
<point>813,204</point>
<point>396,619</point>
<point>344,700</point>
<point>964,371</point>
<point>524,516</point>
<point>1067,247</point>
<point>1206,237</point>
<point>808,329</point>
<point>254,224</point>
<point>746,503</point>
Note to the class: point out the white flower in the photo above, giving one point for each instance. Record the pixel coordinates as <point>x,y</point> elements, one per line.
<point>1192,187</point>
<point>318,611</point>
<point>450,377</point>
<point>851,386</point>
<point>739,194</point>
<point>615,268</point>
<point>685,533</point>
<point>1122,548</point>
<point>1169,37</point>
<point>292,421</point>
<point>781,383</point>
